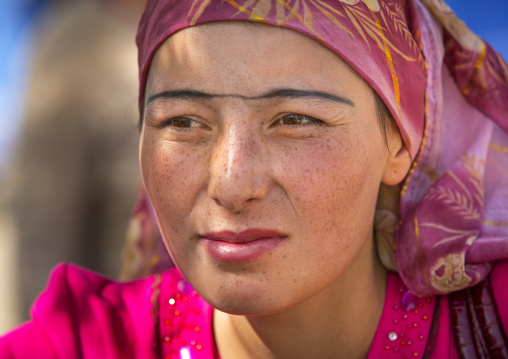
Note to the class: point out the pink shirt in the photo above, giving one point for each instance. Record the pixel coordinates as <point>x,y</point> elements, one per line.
<point>83,315</point>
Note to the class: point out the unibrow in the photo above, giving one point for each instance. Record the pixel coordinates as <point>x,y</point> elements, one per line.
<point>188,94</point>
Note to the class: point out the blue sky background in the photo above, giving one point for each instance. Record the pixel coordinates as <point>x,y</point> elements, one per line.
<point>487,18</point>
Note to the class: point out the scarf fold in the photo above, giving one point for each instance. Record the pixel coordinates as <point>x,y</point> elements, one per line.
<point>454,204</point>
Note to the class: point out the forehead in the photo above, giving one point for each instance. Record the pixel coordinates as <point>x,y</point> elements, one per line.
<point>246,58</point>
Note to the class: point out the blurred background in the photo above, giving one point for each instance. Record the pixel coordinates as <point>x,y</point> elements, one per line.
<point>68,141</point>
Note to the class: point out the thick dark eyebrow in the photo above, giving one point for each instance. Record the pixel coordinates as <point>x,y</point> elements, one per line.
<point>190,95</point>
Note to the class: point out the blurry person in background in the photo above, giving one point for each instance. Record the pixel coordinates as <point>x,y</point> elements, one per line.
<point>68,189</point>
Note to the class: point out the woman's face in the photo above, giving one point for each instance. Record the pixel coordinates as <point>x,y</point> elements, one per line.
<point>262,155</point>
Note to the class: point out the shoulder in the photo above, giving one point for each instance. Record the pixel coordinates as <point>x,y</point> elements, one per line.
<point>72,287</point>
<point>74,292</point>
<point>83,314</point>
<point>455,309</point>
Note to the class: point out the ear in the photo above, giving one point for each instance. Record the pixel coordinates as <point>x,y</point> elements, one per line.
<point>399,161</point>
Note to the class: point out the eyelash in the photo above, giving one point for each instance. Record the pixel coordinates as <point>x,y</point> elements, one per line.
<point>298,117</point>
<point>311,121</point>
<point>171,123</point>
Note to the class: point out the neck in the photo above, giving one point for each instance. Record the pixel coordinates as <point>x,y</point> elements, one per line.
<point>338,322</point>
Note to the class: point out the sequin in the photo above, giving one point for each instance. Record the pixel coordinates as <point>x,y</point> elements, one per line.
<point>387,347</point>
<point>425,317</point>
<point>182,285</point>
<point>185,353</point>
<point>392,336</point>
<point>395,321</point>
<point>415,354</point>
<point>409,301</point>
<point>172,301</point>
<point>199,346</point>
<point>421,337</point>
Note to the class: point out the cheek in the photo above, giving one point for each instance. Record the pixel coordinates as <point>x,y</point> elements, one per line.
<point>172,175</point>
<point>320,172</point>
<point>333,186</point>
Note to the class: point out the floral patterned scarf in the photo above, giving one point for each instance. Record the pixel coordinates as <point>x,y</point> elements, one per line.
<point>446,89</point>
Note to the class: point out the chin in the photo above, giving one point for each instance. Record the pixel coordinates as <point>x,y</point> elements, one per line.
<point>245,306</point>
<point>241,296</point>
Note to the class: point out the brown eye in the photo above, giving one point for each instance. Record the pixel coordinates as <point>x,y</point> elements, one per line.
<point>292,120</point>
<point>182,123</point>
<point>296,119</point>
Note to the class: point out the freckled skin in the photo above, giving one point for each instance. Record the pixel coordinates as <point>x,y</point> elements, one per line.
<point>239,168</point>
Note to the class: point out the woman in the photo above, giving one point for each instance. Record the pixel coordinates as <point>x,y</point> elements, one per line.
<point>263,149</point>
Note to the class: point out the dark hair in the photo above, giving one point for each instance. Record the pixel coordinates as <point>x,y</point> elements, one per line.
<point>141,115</point>
<point>383,116</point>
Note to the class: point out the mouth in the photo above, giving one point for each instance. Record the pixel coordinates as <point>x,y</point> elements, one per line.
<point>227,246</point>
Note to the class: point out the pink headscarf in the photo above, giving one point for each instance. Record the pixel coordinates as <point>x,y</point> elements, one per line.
<point>448,93</point>
<point>374,38</point>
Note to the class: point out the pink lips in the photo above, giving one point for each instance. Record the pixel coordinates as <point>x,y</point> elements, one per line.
<point>241,247</point>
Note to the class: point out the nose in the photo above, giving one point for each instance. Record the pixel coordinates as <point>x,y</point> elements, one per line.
<point>239,175</point>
